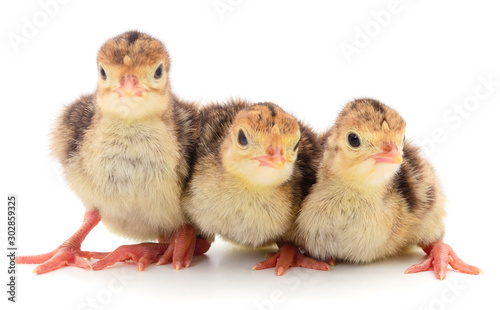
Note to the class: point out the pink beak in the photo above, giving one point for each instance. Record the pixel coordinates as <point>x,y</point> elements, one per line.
<point>390,155</point>
<point>129,87</point>
<point>273,159</point>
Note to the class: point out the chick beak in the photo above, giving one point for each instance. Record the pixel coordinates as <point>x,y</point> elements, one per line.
<point>129,87</point>
<point>273,159</point>
<point>389,155</point>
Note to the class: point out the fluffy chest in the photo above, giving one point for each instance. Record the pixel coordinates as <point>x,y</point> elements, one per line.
<point>130,160</point>
<point>351,227</point>
<point>250,216</point>
<point>130,174</point>
<point>361,217</point>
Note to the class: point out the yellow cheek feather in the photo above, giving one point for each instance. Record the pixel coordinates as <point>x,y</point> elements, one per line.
<point>242,165</point>
<point>363,173</point>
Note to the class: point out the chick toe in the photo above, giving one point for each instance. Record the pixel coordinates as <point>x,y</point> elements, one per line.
<point>183,247</point>
<point>142,254</point>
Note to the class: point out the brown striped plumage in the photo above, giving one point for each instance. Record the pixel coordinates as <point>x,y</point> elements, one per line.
<point>219,201</point>
<point>359,211</point>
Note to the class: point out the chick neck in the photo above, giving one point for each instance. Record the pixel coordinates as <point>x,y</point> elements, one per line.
<point>360,186</point>
<point>148,108</point>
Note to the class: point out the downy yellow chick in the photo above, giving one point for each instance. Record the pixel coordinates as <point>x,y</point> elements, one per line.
<point>375,195</point>
<point>255,164</point>
<point>127,150</point>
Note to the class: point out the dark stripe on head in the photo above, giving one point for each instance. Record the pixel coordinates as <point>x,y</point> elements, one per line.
<point>270,107</point>
<point>376,105</point>
<point>132,37</point>
<point>118,56</point>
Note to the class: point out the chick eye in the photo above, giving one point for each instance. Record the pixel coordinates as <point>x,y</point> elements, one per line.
<point>353,140</point>
<point>159,71</point>
<point>242,139</point>
<point>296,146</point>
<point>103,74</point>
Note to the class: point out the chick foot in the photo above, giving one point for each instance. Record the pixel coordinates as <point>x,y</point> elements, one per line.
<point>67,254</point>
<point>142,254</point>
<point>439,256</point>
<point>181,250</point>
<point>289,256</point>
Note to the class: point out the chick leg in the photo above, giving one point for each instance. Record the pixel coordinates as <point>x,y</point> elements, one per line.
<point>67,254</point>
<point>439,255</point>
<point>289,256</point>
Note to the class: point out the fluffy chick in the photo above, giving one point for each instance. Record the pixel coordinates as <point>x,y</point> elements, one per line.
<point>255,164</point>
<point>126,150</point>
<point>375,195</point>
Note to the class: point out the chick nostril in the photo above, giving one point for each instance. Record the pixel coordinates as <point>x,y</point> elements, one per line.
<point>273,151</point>
<point>387,147</point>
<point>134,80</point>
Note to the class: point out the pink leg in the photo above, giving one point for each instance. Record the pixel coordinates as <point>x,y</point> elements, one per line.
<point>289,256</point>
<point>439,256</point>
<point>67,254</point>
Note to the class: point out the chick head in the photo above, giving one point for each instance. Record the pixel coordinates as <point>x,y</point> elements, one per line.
<point>133,76</point>
<point>366,143</point>
<point>261,146</point>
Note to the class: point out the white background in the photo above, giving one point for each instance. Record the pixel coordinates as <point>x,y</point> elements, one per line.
<point>426,60</point>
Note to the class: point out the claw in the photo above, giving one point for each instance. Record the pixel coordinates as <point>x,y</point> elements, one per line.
<point>330,262</point>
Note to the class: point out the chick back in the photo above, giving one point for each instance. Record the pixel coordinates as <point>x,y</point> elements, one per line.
<point>421,197</point>
<point>71,126</point>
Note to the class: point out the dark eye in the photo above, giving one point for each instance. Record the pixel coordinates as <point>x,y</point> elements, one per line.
<point>296,146</point>
<point>353,140</point>
<point>103,74</point>
<point>159,71</point>
<point>242,139</point>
